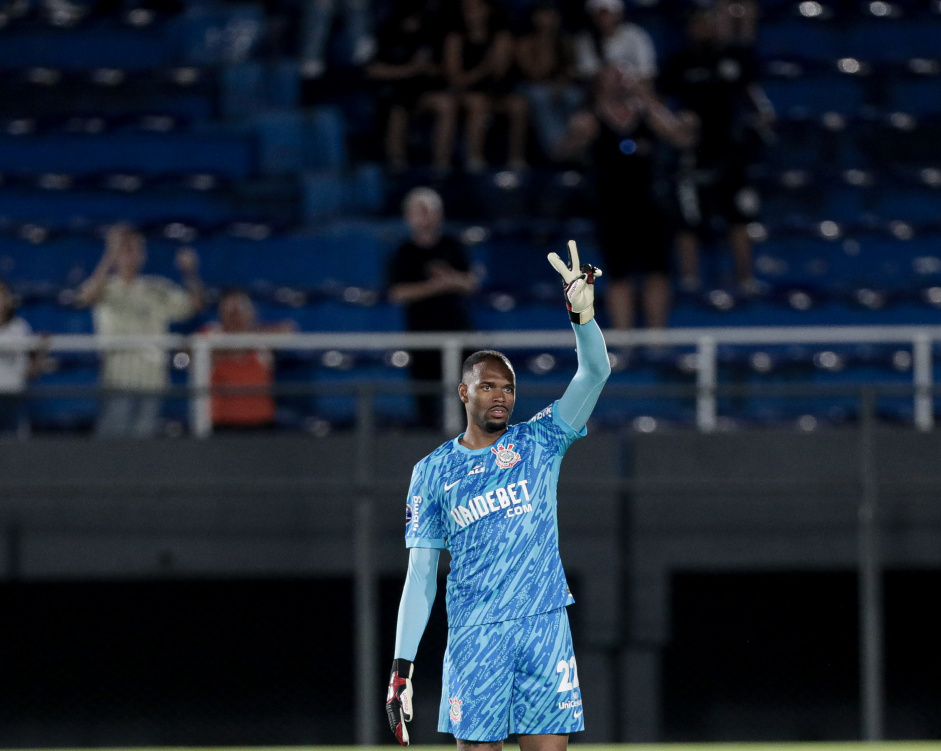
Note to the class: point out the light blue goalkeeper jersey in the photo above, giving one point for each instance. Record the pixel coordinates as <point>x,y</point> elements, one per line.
<point>495,509</point>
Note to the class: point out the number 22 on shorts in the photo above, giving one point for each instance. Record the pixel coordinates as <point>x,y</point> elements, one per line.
<point>569,671</point>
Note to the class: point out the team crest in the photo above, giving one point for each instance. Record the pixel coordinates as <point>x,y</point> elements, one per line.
<point>506,456</point>
<point>455,711</point>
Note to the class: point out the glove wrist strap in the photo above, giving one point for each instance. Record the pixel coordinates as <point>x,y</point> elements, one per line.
<point>583,316</point>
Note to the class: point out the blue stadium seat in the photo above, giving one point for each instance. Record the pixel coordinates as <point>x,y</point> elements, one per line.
<point>57,319</point>
<point>66,412</point>
<point>324,139</point>
<point>61,263</point>
<point>524,316</point>
<point>394,405</point>
<point>228,154</point>
<point>892,40</point>
<point>85,48</point>
<point>815,40</point>
<point>914,205</point>
<point>814,95</point>
<point>343,317</point>
<point>915,96</point>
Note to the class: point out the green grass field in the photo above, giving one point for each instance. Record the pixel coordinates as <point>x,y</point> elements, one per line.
<point>906,746</point>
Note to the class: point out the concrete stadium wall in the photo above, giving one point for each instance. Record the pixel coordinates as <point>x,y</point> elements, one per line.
<point>634,509</point>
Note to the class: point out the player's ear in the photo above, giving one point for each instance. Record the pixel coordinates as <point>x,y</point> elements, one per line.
<point>462,392</point>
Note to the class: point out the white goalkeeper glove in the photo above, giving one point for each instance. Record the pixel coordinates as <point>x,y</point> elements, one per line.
<point>399,699</point>
<point>579,283</point>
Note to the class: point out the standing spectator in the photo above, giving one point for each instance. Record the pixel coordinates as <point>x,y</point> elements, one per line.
<point>410,82</point>
<point>430,275</point>
<point>16,367</point>
<point>546,58</point>
<point>623,131</point>
<point>717,82</point>
<point>316,22</point>
<point>127,303</point>
<point>479,65</point>
<point>612,41</point>
<point>241,379</point>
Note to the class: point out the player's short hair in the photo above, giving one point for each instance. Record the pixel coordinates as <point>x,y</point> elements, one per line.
<point>428,196</point>
<point>481,356</point>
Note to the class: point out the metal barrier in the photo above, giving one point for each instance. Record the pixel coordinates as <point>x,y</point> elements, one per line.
<point>451,345</point>
<point>921,339</point>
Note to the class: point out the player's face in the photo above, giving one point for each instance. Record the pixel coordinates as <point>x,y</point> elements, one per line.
<point>489,395</point>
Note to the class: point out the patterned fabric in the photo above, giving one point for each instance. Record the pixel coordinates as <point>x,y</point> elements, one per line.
<point>14,365</point>
<point>513,677</point>
<point>146,306</point>
<point>495,509</point>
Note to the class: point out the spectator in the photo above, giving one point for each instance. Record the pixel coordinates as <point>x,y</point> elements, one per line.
<point>241,379</point>
<point>16,367</point>
<point>127,303</point>
<point>410,82</point>
<point>716,82</point>
<point>479,65</point>
<point>316,22</point>
<point>623,131</point>
<point>737,22</point>
<point>430,275</point>
<point>546,57</point>
<point>613,41</point>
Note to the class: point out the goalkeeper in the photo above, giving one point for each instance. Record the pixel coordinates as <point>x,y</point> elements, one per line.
<point>489,497</point>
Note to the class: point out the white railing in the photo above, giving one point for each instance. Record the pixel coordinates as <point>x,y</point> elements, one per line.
<point>451,345</point>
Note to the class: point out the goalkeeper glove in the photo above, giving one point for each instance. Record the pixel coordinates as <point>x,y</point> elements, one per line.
<point>399,699</point>
<point>579,283</point>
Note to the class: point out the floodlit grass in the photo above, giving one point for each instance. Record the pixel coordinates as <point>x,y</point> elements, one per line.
<point>895,746</point>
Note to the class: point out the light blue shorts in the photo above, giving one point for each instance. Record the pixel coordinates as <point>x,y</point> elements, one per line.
<point>511,677</point>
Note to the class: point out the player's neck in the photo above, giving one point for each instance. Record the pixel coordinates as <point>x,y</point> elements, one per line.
<point>474,438</point>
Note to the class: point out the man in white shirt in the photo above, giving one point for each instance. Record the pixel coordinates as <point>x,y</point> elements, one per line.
<point>616,42</point>
<point>16,367</point>
<point>128,303</point>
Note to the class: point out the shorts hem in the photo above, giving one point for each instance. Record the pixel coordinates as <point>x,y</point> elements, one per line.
<point>473,740</point>
<point>562,731</point>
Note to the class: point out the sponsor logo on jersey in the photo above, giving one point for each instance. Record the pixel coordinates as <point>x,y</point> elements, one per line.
<point>547,412</point>
<point>506,456</point>
<point>571,704</point>
<point>449,485</point>
<point>455,712</point>
<point>411,512</point>
<point>510,500</point>
<point>477,470</point>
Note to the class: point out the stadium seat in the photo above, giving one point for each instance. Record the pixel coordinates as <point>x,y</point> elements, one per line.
<point>815,95</point>
<point>391,401</point>
<point>815,40</point>
<point>914,96</point>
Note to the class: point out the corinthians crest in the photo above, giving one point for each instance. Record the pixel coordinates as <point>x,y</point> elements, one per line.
<point>455,710</point>
<point>506,456</point>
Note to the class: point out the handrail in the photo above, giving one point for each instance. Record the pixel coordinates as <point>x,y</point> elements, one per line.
<point>451,344</point>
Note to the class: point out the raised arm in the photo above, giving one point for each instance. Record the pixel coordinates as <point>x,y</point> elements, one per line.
<point>582,394</point>
<point>418,595</point>
<point>579,399</point>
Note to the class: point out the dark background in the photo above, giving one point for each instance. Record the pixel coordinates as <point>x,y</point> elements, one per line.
<point>753,656</point>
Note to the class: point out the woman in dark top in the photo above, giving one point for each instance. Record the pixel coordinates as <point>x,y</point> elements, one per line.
<point>546,61</point>
<point>479,66</point>
<point>409,81</point>
<point>622,131</point>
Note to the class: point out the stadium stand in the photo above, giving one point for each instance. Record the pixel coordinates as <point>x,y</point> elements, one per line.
<point>181,122</point>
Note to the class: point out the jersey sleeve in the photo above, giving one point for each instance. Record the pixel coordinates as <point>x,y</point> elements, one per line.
<point>553,432</point>
<point>424,525</point>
